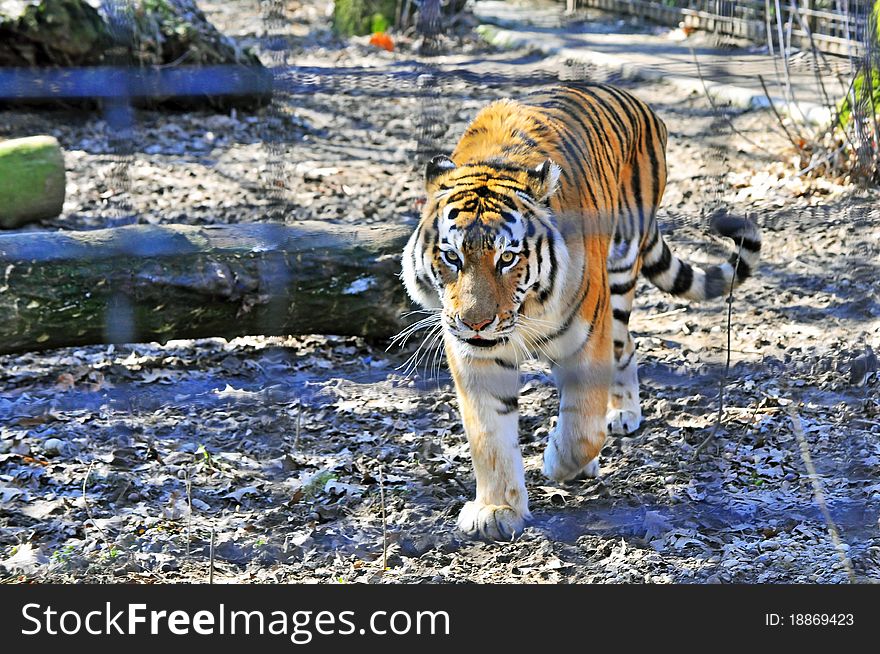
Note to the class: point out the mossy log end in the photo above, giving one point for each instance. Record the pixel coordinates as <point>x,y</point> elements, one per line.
<point>156,283</point>
<point>31,180</point>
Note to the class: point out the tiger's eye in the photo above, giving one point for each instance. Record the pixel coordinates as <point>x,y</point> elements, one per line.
<point>507,257</point>
<point>452,259</point>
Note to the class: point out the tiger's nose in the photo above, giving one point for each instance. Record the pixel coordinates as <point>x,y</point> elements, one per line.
<point>476,326</point>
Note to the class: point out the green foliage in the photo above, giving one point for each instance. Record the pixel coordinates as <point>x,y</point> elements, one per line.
<point>63,555</point>
<point>316,484</point>
<point>876,13</point>
<point>866,86</point>
<point>205,454</point>
<point>166,32</point>
<point>359,17</point>
<point>69,32</point>
<point>111,554</point>
<point>160,7</point>
<point>866,89</point>
<point>73,33</point>
<point>158,13</point>
<point>379,24</point>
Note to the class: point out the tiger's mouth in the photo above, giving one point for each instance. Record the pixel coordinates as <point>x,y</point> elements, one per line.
<point>484,342</point>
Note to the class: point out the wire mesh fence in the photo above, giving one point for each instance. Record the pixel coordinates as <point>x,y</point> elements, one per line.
<point>835,26</point>
<point>344,141</point>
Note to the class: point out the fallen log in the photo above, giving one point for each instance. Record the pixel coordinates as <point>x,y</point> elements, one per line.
<point>31,180</point>
<point>156,283</point>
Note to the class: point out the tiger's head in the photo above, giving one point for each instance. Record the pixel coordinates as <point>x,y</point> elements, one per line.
<point>485,249</point>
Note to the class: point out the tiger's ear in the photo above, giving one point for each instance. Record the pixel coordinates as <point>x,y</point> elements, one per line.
<point>437,166</point>
<point>546,176</point>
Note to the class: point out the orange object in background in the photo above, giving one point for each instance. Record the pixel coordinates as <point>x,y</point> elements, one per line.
<point>382,40</point>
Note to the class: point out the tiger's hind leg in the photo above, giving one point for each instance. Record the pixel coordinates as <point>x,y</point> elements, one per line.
<point>624,408</point>
<point>624,413</point>
<point>583,379</point>
<point>574,445</point>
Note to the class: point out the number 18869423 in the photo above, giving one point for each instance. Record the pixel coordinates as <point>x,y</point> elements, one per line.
<point>809,620</point>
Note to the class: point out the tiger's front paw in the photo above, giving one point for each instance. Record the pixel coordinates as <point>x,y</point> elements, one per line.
<point>622,422</point>
<point>555,469</point>
<point>560,463</point>
<point>590,471</point>
<point>493,521</point>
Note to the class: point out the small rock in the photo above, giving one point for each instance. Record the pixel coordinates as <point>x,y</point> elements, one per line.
<point>53,446</point>
<point>200,505</point>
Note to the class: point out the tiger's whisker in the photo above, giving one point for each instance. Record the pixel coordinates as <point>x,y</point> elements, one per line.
<point>431,339</point>
<point>403,336</point>
<point>539,342</point>
<point>411,364</point>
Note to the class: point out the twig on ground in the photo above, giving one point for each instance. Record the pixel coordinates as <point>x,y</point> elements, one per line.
<point>86,502</point>
<point>384,520</point>
<point>820,161</point>
<point>751,422</point>
<point>755,411</point>
<point>176,62</point>
<point>665,314</point>
<point>211,559</point>
<point>189,502</point>
<point>724,348</point>
<point>723,383</point>
<point>776,113</point>
<point>298,423</point>
<point>819,496</point>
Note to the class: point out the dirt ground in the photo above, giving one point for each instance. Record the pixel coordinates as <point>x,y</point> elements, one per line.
<point>123,463</point>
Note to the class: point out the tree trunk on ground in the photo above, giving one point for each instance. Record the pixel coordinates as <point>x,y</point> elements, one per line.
<point>144,283</point>
<point>31,180</point>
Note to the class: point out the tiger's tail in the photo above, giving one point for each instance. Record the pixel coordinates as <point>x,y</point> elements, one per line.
<point>680,278</point>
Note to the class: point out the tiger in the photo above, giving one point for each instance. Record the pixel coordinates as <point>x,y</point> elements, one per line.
<point>531,239</point>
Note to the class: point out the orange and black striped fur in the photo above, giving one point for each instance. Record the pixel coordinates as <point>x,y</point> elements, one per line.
<point>532,237</point>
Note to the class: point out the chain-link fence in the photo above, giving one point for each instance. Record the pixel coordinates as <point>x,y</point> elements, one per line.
<point>259,456</point>
<point>836,26</point>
